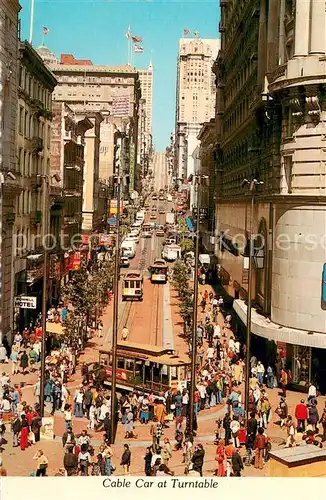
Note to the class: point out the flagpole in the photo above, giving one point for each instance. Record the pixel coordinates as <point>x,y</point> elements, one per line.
<point>43,35</point>
<point>31,22</point>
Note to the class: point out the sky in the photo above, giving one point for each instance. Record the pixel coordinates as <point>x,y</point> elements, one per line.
<point>96,29</point>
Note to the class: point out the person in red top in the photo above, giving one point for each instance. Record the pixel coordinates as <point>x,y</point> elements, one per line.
<point>220,457</point>
<point>260,443</point>
<point>196,401</point>
<point>301,414</point>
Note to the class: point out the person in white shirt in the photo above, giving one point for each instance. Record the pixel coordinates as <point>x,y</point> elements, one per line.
<point>312,392</point>
<point>235,427</point>
<point>202,394</point>
<point>237,346</point>
<point>3,354</point>
<point>231,344</point>
<point>4,379</point>
<point>217,331</point>
<point>64,396</point>
<point>156,456</point>
<point>260,372</point>
<point>210,354</point>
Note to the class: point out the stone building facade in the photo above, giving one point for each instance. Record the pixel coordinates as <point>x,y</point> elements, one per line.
<point>9,177</point>
<point>33,137</point>
<point>270,123</point>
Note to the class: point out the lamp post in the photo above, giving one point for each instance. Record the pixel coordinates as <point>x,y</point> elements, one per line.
<point>252,187</point>
<point>119,165</point>
<point>44,287</point>
<point>193,381</point>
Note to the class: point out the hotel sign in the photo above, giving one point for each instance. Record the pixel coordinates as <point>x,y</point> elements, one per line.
<point>25,302</point>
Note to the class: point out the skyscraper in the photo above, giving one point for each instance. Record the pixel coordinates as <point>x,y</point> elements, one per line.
<point>146,86</point>
<point>195,100</point>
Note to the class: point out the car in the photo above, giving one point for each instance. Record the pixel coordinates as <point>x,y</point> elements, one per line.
<point>132,237</point>
<point>161,211</point>
<point>161,198</point>
<point>147,234</point>
<point>160,232</point>
<point>152,217</point>
<point>124,261</point>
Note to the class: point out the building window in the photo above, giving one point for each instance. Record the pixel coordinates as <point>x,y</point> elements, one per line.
<point>288,167</point>
<point>21,119</point>
<point>26,124</point>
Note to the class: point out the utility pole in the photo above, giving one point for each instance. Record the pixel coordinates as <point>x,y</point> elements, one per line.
<point>45,210</point>
<point>252,187</point>
<point>119,166</point>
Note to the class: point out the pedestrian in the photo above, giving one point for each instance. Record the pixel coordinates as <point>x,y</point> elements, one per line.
<point>260,443</point>
<point>24,362</point>
<point>126,459</point>
<point>284,382</point>
<point>24,431</point>
<point>148,459</point>
<point>290,432</point>
<point>15,428</point>
<point>125,333</point>
<point>85,373</point>
<point>84,459</point>
<point>313,418</point>
<point>42,463</point>
<point>166,451</point>
<point>301,414</point>
<point>198,458</point>
<point>70,461</point>
<point>14,361</point>
<point>68,416</point>
<point>220,458</point>
<point>237,464</point>
<point>78,399</point>
<point>36,425</point>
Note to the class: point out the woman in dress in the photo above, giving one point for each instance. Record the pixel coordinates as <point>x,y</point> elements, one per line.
<point>148,459</point>
<point>24,433</point>
<point>144,411</point>
<point>220,457</point>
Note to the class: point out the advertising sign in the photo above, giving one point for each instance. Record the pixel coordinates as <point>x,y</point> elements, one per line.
<point>47,429</point>
<point>132,167</point>
<point>76,261</point>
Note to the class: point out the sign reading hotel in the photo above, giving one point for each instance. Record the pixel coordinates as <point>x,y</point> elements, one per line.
<point>25,302</point>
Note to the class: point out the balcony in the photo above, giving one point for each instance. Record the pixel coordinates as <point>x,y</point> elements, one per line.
<point>36,217</point>
<point>37,144</point>
<point>74,192</point>
<point>68,135</point>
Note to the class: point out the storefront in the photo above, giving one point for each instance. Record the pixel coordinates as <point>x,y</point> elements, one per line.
<point>305,351</point>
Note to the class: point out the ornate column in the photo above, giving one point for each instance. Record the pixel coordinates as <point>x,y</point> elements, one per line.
<point>302,27</point>
<point>317,27</point>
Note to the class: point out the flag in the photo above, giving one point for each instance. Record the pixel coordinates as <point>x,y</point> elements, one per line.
<point>128,33</point>
<point>186,32</point>
<point>196,33</point>
<point>139,49</point>
<point>137,39</point>
<point>45,30</point>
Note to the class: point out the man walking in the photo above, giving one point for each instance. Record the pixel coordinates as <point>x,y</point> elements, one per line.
<point>301,414</point>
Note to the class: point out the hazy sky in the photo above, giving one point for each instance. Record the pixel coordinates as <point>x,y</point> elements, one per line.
<point>95,29</point>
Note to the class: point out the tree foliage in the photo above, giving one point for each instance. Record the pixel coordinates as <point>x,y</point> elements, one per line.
<point>187,246</point>
<point>181,284</point>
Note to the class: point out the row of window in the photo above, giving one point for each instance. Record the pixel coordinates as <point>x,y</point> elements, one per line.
<point>33,88</point>
<point>29,126</point>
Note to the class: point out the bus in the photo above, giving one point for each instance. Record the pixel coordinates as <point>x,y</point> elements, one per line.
<point>133,286</point>
<point>145,368</point>
<point>159,271</point>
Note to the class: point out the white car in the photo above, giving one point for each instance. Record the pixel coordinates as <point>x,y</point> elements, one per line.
<point>132,237</point>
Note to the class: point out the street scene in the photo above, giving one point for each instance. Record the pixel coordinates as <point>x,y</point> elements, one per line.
<point>163,294</point>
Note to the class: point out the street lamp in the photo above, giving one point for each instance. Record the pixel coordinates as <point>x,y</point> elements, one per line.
<point>193,381</point>
<point>252,187</point>
<point>119,166</point>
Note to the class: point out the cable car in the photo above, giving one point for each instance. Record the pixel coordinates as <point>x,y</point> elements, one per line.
<point>159,271</point>
<point>133,286</point>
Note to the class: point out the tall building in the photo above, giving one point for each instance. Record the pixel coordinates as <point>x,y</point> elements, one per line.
<point>195,99</point>
<point>9,177</point>
<point>33,138</point>
<point>146,86</point>
<point>270,126</point>
<point>112,91</point>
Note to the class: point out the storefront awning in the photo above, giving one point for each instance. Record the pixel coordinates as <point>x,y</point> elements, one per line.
<point>55,328</point>
<point>272,331</point>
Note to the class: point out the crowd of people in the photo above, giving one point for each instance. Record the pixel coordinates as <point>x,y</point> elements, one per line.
<point>239,441</point>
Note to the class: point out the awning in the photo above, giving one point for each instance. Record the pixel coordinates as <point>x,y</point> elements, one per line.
<point>189,224</point>
<point>55,328</point>
<point>265,328</point>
